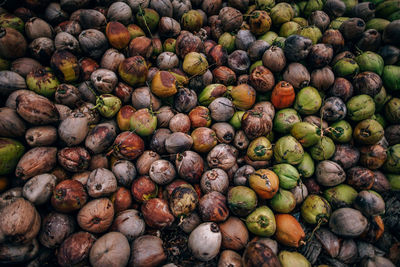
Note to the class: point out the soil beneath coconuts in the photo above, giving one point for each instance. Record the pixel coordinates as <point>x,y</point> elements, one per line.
<point>175,244</point>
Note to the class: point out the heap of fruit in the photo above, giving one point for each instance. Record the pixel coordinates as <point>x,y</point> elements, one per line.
<point>200,133</point>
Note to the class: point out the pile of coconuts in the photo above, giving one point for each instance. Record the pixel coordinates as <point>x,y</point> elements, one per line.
<point>199,133</point>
